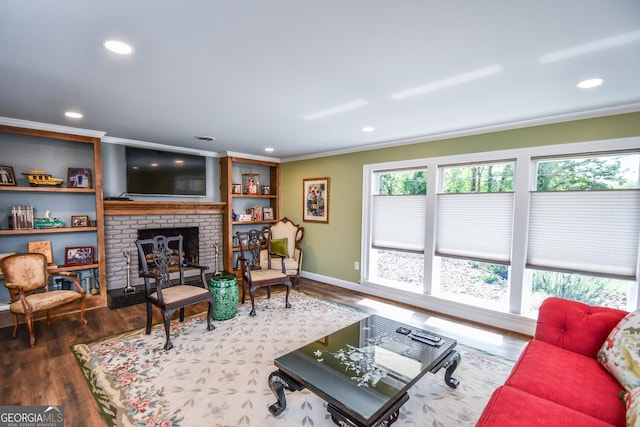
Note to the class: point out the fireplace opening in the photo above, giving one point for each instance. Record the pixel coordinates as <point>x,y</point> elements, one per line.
<point>190,242</point>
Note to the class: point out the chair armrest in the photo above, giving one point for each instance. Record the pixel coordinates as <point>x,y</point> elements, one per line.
<point>74,279</point>
<point>282,258</point>
<point>201,267</point>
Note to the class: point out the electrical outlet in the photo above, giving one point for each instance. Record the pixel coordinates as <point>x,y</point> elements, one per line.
<point>356,265</point>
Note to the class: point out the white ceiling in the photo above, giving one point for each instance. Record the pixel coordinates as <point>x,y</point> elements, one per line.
<point>258,73</point>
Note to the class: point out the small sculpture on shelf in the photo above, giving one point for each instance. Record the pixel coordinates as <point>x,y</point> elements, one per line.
<point>251,182</point>
<point>47,221</point>
<point>39,177</point>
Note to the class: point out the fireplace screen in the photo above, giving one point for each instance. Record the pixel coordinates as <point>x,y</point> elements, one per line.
<point>190,241</point>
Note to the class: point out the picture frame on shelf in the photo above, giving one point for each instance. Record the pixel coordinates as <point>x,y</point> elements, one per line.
<point>44,248</point>
<point>316,199</point>
<point>7,177</point>
<point>78,255</point>
<point>79,221</point>
<point>267,213</point>
<point>79,178</point>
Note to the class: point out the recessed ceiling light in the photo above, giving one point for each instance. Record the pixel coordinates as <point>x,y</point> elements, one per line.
<point>73,115</point>
<point>154,165</point>
<point>368,129</point>
<point>118,47</point>
<point>269,149</point>
<point>179,162</point>
<point>588,84</point>
<point>205,138</point>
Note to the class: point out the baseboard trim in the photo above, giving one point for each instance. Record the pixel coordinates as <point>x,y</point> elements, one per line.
<point>506,321</point>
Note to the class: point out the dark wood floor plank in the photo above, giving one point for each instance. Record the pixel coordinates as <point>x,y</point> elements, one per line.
<point>48,374</point>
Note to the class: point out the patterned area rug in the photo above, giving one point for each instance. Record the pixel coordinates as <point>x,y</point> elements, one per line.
<point>219,378</point>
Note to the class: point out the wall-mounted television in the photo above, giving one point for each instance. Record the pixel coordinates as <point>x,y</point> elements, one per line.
<point>165,173</point>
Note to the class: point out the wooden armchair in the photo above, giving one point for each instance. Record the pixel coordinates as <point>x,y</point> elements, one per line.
<point>159,256</point>
<point>253,274</point>
<point>290,248</point>
<point>27,279</point>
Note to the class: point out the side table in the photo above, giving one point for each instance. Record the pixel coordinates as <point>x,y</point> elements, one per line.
<point>224,288</point>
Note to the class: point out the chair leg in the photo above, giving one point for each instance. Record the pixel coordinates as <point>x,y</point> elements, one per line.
<point>15,325</point>
<point>181,314</point>
<point>210,326</point>
<point>82,319</point>
<point>149,317</point>
<point>286,298</point>
<point>32,336</point>
<point>166,316</point>
<point>252,293</point>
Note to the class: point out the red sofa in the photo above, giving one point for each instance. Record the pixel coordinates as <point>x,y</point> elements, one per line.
<point>557,381</point>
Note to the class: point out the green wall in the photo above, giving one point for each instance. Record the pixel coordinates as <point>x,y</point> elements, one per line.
<point>330,249</point>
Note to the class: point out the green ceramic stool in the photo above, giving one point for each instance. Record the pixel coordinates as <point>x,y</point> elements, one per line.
<point>225,292</point>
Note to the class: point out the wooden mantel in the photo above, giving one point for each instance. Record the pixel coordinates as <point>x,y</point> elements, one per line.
<point>133,207</point>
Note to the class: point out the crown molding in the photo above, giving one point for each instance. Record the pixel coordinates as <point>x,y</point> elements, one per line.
<point>156,146</point>
<point>521,124</point>
<point>7,121</point>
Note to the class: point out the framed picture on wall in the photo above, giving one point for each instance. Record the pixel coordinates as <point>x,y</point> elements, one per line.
<point>316,199</point>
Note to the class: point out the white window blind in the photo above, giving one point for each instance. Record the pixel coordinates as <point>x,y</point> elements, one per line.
<point>592,232</point>
<point>475,226</point>
<point>399,222</point>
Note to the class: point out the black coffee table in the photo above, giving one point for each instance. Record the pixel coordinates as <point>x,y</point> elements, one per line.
<point>364,371</point>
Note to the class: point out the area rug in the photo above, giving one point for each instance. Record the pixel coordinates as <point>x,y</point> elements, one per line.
<point>220,377</point>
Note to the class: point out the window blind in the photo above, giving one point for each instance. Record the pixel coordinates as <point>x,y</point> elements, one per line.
<point>475,226</point>
<point>592,232</point>
<point>399,222</point>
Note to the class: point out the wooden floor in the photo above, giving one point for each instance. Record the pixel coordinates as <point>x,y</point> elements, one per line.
<point>47,374</point>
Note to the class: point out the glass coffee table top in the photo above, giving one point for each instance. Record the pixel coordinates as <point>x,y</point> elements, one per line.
<point>364,370</point>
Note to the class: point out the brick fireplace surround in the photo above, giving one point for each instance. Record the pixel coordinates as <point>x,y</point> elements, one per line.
<point>123,219</point>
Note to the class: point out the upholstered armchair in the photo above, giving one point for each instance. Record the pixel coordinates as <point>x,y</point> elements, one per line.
<point>27,279</point>
<point>285,240</point>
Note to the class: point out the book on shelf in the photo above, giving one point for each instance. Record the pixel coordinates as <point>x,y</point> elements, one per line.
<point>21,218</point>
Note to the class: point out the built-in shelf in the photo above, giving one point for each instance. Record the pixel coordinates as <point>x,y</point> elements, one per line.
<point>47,230</point>
<point>254,222</point>
<point>231,172</point>
<point>254,196</point>
<point>55,152</point>
<point>50,189</point>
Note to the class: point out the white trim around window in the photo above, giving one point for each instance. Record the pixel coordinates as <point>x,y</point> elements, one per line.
<point>524,171</point>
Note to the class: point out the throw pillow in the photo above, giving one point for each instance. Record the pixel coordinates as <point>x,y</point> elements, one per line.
<point>632,403</point>
<point>279,247</point>
<point>620,353</point>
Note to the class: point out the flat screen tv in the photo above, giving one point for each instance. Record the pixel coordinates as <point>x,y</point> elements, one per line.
<point>165,173</point>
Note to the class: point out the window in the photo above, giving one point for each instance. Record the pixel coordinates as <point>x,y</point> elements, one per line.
<point>474,224</point>
<point>497,232</point>
<point>584,229</point>
<point>398,231</point>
